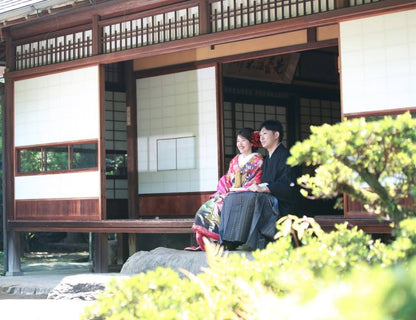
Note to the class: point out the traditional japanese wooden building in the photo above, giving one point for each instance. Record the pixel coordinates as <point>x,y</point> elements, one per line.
<point>117,112</point>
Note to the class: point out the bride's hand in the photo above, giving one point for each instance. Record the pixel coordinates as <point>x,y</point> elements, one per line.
<point>254,188</point>
<point>259,188</point>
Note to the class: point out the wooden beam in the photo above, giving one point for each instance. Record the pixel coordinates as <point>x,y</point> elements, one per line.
<point>106,226</point>
<point>327,222</point>
<point>368,224</point>
<point>379,113</point>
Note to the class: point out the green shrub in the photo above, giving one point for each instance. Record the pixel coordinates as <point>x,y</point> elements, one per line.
<point>373,162</point>
<point>159,294</point>
<point>379,293</point>
<point>235,287</point>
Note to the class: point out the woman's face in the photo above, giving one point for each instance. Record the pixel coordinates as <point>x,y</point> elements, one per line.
<point>243,145</point>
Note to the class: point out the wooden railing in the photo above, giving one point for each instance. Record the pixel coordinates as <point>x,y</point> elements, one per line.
<point>234,14</point>
<point>147,29</point>
<point>175,22</point>
<point>57,49</point>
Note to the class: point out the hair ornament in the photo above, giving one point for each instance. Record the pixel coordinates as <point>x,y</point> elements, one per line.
<point>255,139</point>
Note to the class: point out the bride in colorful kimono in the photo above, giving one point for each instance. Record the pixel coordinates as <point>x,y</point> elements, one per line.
<point>244,170</point>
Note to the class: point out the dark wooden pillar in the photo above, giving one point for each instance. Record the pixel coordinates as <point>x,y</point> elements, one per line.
<point>100,256</point>
<point>132,159</point>
<point>311,35</point>
<point>12,255</point>
<point>131,114</point>
<point>341,4</point>
<point>220,119</point>
<point>204,17</point>
<point>101,147</point>
<point>96,36</point>
<point>294,129</point>
<point>3,157</point>
<point>10,52</point>
<point>100,241</point>
<point>13,261</point>
<point>8,131</point>
<point>122,253</point>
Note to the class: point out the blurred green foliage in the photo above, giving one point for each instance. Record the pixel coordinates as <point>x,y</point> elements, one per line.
<point>343,274</point>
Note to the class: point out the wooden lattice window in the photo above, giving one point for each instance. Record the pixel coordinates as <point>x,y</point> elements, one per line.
<point>242,115</point>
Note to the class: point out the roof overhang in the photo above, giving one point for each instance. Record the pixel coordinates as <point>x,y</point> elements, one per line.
<point>21,11</point>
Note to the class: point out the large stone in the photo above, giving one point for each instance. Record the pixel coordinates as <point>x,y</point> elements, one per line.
<point>142,261</point>
<point>86,287</point>
<point>83,286</point>
<point>192,261</point>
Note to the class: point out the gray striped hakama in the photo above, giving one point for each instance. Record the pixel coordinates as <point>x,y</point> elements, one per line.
<point>248,218</point>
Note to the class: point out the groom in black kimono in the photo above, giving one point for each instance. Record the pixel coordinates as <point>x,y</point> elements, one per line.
<point>249,218</point>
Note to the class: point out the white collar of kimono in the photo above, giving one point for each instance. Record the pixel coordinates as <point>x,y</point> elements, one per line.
<point>242,159</point>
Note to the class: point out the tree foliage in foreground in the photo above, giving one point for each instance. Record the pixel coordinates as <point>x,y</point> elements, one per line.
<point>319,276</point>
<point>373,162</point>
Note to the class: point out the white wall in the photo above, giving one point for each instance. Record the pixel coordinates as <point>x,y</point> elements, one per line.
<point>52,109</point>
<point>178,105</point>
<point>378,62</point>
<point>58,186</point>
<point>58,107</point>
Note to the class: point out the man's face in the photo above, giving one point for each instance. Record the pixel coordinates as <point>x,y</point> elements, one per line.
<point>268,138</point>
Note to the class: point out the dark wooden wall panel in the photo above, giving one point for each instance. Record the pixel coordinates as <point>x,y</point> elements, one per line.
<point>172,205</point>
<point>60,209</point>
<point>355,209</point>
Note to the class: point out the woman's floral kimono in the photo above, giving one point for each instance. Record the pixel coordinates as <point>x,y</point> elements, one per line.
<point>207,218</point>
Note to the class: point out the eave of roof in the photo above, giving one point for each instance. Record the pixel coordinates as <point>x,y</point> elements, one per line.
<point>76,13</point>
<point>59,14</point>
<point>12,9</point>
<point>14,12</point>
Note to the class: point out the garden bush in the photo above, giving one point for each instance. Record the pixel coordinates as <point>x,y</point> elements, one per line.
<point>319,268</point>
<point>373,162</point>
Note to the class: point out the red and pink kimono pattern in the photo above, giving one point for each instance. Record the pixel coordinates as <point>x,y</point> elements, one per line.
<point>207,218</point>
